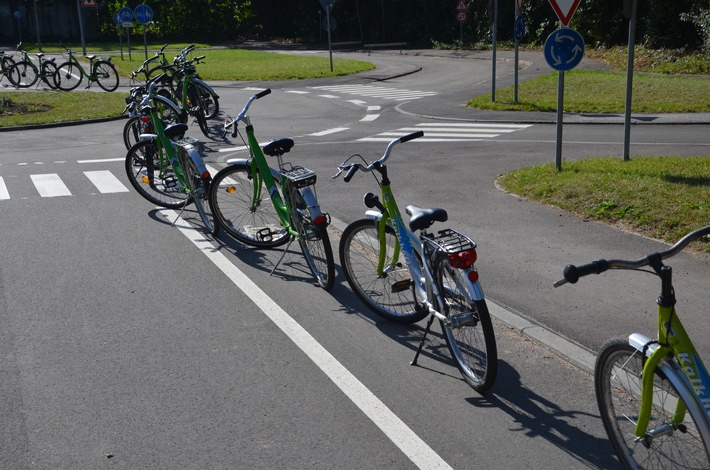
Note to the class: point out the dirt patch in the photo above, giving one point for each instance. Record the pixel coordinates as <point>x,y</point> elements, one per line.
<point>9,108</point>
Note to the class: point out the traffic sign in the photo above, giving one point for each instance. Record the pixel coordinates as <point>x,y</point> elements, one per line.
<point>564,49</point>
<point>564,9</point>
<point>117,19</point>
<point>126,14</point>
<point>461,6</point>
<point>143,14</point>
<point>89,3</point>
<point>519,27</point>
<point>461,16</point>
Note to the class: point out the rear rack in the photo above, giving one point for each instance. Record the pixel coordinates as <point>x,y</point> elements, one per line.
<point>299,176</point>
<point>450,241</point>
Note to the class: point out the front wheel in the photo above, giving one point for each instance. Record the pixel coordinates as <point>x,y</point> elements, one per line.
<point>153,177</point>
<point>68,76</point>
<point>390,294</point>
<point>23,74</point>
<point>617,382</point>
<point>209,100</point>
<point>314,241</point>
<point>470,333</point>
<point>48,71</point>
<point>106,75</point>
<point>199,190</point>
<point>242,206</point>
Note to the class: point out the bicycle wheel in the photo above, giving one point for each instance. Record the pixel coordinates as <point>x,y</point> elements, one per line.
<point>106,75</point>
<point>470,338</point>
<point>245,212</point>
<point>617,382</point>
<point>209,101</point>
<point>153,177</point>
<point>132,130</point>
<point>68,76</point>
<point>199,190</point>
<point>314,241</point>
<point>24,74</point>
<point>197,111</point>
<point>48,70</point>
<point>5,67</point>
<point>390,295</point>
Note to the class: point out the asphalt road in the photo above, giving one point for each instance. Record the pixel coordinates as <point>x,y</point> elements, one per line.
<point>127,341</point>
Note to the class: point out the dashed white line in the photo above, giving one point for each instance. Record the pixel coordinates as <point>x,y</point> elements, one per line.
<point>329,131</point>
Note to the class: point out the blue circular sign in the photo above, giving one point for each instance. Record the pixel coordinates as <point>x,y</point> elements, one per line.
<point>126,14</point>
<point>519,27</point>
<point>564,49</point>
<point>117,18</point>
<point>17,14</point>
<point>143,13</point>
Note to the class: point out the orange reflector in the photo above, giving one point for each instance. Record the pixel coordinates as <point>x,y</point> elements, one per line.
<point>462,259</point>
<point>230,189</point>
<point>473,276</point>
<point>320,220</point>
<point>145,179</point>
<point>206,174</point>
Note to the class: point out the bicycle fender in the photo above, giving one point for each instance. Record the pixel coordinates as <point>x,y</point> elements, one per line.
<point>374,215</point>
<point>195,157</point>
<point>311,202</point>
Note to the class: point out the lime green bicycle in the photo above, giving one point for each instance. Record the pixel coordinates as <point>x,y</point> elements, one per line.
<point>653,394</point>
<point>71,73</point>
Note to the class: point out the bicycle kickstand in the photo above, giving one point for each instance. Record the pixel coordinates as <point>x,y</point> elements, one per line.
<point>282,255</point>
<point>184,205</point>
<point>421,343</point>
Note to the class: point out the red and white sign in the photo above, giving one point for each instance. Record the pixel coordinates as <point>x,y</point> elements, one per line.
<point>461,6</point>
<point>519,7</point>
<point>461,16</point>
<point>565,9</point>
<point>89,3</point>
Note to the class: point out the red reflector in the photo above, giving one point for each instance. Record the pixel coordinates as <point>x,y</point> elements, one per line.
<point>320,220</point>
<point>145,119</point>
<point>206,174</point>
<point>462,259</point>
<point>473,276</point>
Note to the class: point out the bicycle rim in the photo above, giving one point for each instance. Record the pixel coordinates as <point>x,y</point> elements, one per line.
<point>106,75</point>
<point>390,295</point>
<point>470,338</point>
<point>49,70</point>
<point>314,242</point>
<point>25,75</point>
<point>246,217</point>
<point>68,76</point>
<point>617,382</point>
<point>152,177</point>
<point>199,190</point>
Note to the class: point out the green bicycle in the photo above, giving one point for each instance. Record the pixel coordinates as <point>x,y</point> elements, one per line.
<point>238,200</point>
<point>6,63</point>
<point>404,277</point>
<point>24,73</point>
<point>653,395</point>
<point>71,73</point>
<point>167,169</point>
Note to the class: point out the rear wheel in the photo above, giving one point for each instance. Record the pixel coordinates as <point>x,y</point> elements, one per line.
<point>68,76</point>
<point>23,74</point>
<point>49,69</point>
<point>389,294</point>
<point>245,212</point>
<point>199,189</point>
<point>470,335</point>
<point>153,177</point>
<point>669,444</point>
<point>106,75</point>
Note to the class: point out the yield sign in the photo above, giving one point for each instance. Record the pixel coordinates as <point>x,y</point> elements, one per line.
<point>565,9</point>
<point>89,3</point>
<point>461,6</point>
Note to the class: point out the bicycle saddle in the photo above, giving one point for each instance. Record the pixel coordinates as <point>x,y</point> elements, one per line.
<point>176,129</point>
<point>421,218</point>
<point>278,147</point>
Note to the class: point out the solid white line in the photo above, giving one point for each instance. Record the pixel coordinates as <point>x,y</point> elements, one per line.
<point>420,140</point>
<point>105,182</point>
<point>50,185</point>
<point>329,131</point>
<point>102,160</point>
<point>398,432</point>
<point>298,92</point>
<point>3,190</point>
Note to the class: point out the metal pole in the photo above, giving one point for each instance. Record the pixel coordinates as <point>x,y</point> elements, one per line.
<point>39,41</point>
<point>560,114</point>
<point>81,27</point>
<point>629,80</point>
<point>330,48</point>
<point>495,37</point>
<point>515,74</point>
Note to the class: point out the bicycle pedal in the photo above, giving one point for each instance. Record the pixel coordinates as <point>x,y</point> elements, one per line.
<point>266,234</point>
<point>401,286</point>
<point>170,181</point>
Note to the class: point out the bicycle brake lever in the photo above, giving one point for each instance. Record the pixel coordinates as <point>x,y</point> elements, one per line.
<point>340,170</point>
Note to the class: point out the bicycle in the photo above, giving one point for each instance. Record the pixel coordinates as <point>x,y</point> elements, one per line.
<point>238,193</point>
<point>403,277</point>
<point>24,73</point>
<point>167,169</point>
<point>6,63</point>
<point>71,73</point>
<point>646,388</point>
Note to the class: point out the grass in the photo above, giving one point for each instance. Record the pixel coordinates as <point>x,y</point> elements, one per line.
<point>47,107</point>
<point>660,197</point>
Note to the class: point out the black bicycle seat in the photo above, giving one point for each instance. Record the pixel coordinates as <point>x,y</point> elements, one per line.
<point>278,147</point>
<point>421,218</point>
<point>176,129</point>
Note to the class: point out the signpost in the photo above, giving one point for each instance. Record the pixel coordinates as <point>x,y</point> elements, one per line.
<point>564,50</point>
<point>125,14</point>
<point>144,15</point>
<point>519,33</point>
<point>461,16</point>
<point>328,5</point>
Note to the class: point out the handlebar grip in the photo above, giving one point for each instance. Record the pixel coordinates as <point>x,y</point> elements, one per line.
<point>198,58</point>
<point>573,273</point>
<point>263,93</point>
<point>351,172</point>
<point>412,136</point>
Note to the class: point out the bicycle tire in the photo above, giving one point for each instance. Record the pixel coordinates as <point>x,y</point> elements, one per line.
<point>6,66</point>
<point>314,241</point>
<point>390,296</point>
<point>253,223</point>
<point>157,185</point>
<point>617,378</point>
<point>24,74</point>
<point>472,344</point>
<point>68,76</point>
<point>196,110</point>
<point>209,100</point>
<point>199,191</point>
<point>131,131</point>
<point>47,73</point>
<point>106,75</point>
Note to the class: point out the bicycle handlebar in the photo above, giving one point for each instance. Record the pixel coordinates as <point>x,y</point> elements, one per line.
<point>243,113</point>
<point>572,273</point>
<point>352,168</point>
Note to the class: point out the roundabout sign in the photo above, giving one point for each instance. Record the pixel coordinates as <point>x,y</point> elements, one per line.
<point>564,49</point>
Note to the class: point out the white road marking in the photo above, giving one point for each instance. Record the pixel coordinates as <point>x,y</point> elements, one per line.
<point>106,182</point>
<point>50,185</point>
<point>394,428</point>
<point>329,131</point>
<point>3,190</point>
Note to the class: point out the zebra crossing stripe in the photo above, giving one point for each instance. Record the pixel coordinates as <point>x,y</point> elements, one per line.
<point>3,190</point>
<point>105,182</point>
<point>451,131</point>
<point>50,185</point>
<point>377,92</point>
